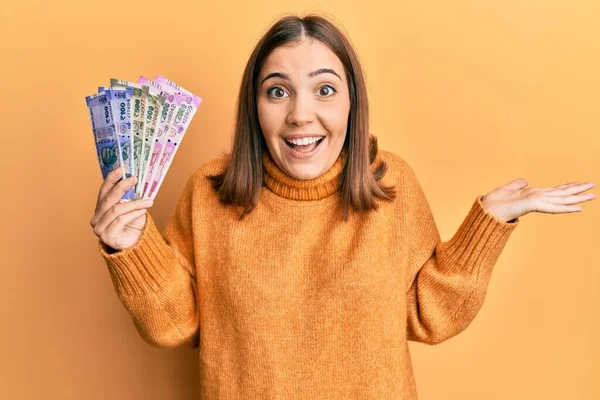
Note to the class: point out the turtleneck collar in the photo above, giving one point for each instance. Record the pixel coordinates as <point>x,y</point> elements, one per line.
<point>292,188</point>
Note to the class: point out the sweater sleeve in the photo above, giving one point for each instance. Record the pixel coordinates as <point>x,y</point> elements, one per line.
<point>156,279</point>
<point>447,281</point>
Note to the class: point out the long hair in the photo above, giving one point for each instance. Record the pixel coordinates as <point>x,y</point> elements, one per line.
<point>241,181</point>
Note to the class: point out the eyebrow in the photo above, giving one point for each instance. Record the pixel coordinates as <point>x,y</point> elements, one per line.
<point>311,75</point>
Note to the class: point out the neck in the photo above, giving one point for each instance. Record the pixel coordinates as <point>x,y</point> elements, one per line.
<point>289,187</point>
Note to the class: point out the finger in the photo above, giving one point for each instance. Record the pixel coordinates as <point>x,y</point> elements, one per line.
<point>546,189</point>
<point>115,196</point>
<point>111,180</point>
<point>111,199</point>
<point>549,208</point>
<point>517,184</point>
<point>570,190</point>
<point>574,199</point>
<point>118,225</point>
<point>117,211</point>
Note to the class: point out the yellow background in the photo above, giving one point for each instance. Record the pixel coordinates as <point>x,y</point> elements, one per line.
<point>472,94</point>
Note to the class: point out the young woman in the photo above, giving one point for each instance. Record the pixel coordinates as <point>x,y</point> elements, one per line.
<point>302,263</point>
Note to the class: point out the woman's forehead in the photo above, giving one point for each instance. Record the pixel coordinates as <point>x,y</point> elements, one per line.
<point>299,60</point>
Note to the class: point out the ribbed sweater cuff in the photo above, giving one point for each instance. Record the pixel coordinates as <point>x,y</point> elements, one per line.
<point>478,241</point>
<point>143,268</point>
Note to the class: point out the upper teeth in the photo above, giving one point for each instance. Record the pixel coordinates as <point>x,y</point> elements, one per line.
<point>304,141</point>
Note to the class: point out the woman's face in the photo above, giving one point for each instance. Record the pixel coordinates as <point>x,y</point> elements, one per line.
<point>303,96</point>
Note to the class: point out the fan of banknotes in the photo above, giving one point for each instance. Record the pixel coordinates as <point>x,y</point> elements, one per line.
<point>140,126</point>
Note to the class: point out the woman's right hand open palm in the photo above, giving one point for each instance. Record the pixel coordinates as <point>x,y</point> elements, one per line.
<point>119,225</point>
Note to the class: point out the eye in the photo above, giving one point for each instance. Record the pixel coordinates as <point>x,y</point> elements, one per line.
<point>277,89</point>
<point>280,90</point>
<point>329,87</point>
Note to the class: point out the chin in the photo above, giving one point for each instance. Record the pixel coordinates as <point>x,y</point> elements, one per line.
<point>304,172</point>
<point>303,169</point>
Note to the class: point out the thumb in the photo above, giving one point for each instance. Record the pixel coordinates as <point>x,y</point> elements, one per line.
<point>517,184</point>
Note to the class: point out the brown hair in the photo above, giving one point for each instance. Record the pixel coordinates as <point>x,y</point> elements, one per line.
<point>242,179</point>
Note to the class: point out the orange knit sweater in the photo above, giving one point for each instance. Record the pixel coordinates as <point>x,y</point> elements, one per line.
<point>292,302</point>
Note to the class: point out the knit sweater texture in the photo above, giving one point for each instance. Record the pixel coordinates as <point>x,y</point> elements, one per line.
<point>294,303</point>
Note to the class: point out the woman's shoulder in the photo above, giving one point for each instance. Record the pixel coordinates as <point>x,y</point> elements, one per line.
<point>397,166</point>
<point>400,171</point>
<point>391,158</point>
<point>198,178</point>
<point>213,166</point>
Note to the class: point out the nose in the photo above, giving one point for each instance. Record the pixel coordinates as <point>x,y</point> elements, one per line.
<point>300,110</point>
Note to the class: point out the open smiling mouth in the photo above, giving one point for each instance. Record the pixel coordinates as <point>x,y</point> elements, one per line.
<point>299,146</point>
